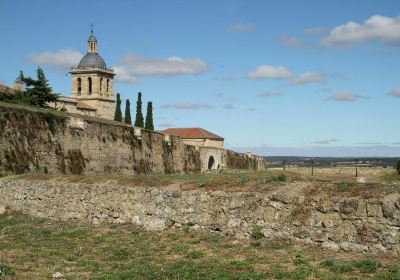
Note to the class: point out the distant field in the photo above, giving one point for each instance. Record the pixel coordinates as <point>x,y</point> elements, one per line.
<point>32,248</point>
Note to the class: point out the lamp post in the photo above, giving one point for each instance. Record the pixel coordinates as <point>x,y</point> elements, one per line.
<point>356,167</point>
<point>312,166</point>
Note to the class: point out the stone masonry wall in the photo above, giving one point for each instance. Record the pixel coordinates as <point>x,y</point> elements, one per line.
<point>336,222</point>
<point>40,141</point>
<point>32,141</point>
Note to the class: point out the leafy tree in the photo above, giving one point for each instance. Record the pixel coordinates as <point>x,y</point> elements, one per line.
<point>128,112</point>
<point>118,113</point>
<point>139,115</point>
<point>398,166</point>
<point>149,117</point>
<point>38,91</point>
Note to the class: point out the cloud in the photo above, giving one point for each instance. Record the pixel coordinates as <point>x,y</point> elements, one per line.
<point>131,67</point>
<point>225,78</point>
<point>62,59</point>
<point>241,27</point>
<point>269,94</point>
<point>291,42</point>
<point>269,72</point>
<point>186,106</point>
<point>309,78</point>
<point>395,92</point>
<point>345,97</point>
<point>228,106</point>
<point>314,31</point>
<point>377,28</point>
<point>326,141</point>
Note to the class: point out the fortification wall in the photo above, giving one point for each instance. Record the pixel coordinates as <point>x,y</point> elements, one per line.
<point>337,222</point>
<point>34,140</point>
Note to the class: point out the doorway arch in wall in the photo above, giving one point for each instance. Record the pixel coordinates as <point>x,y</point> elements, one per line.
<point>211,162</point>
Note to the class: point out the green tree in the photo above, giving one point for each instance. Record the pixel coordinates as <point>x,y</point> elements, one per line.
<point>128,119</point>
<point>398,166</point>
<point>118,113</point>
<point>149,117</point>
<point>38,91</point>
<point>139,115</point>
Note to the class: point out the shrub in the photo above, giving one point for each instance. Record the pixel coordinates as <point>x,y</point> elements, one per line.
<point>342,187</point>
<point>6,270</point>
<point>257,233</point>
<point>243,179</point>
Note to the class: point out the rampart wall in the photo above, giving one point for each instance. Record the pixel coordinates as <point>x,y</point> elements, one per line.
<point>40,141</point>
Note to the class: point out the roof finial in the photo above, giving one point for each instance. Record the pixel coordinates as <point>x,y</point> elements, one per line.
<point>91,28</point>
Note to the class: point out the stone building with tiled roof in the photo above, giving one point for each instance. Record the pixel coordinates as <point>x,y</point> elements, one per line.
<point>197,136</point>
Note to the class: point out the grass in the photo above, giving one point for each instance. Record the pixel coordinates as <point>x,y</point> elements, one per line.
<point>33,248</point>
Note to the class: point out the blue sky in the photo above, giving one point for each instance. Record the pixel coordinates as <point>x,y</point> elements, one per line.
<point>275,77</point>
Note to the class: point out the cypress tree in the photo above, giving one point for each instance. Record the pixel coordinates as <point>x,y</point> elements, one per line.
<point>149,117</point>
<point>118,113</point>
<point>128,112</point>
<point>139,115</point>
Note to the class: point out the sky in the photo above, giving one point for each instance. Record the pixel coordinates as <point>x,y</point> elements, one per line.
<point>306,78</point>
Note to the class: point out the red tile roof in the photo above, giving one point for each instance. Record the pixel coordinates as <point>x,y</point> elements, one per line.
<point>192,133</point>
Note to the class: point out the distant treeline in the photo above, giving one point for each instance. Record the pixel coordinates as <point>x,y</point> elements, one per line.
<point>279,161</point>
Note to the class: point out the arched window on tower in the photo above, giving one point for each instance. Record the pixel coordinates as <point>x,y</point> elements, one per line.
<point>108,85</point>
<point>101,85</point>
<point>79,84</point>
<point>90,85</point>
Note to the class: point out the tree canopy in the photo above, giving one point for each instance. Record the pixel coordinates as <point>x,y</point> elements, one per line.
<point>127,118</point>
<point>139,116</point>
<point>118,113</point>
<point>149,117</point>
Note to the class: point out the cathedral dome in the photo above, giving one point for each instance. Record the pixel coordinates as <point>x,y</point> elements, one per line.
<point>92,60</point>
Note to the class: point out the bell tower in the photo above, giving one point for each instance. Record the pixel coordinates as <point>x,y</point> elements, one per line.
<point>92,82</point>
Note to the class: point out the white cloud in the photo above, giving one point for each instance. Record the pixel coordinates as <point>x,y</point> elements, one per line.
<point>269,72</point>
<point>291,42</point>
<point>241,27</point>
<point>309,78</point>
<point>62,59</point>
<point>131,67</point>
<point>377,28</point>
<point>344,97</point>
<point>186,106</point>
<point>326,141</point>
<point>314,31</point>
<point>395,92</point>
